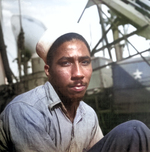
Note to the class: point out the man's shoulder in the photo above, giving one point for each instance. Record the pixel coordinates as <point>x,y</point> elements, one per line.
<point>85,105</point>
<point>29,98</point>
<point>87,108</point>
<point>25,101</point>
<point>88,114</point>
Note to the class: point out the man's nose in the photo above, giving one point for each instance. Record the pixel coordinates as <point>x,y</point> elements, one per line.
<point>77,71</point>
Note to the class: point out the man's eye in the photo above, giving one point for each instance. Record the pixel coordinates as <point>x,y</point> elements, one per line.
<point>86,62</point>
<point>65,63</point>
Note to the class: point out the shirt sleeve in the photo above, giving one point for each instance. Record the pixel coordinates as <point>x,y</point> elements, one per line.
<point>98,135</point>
<point>26,130</point>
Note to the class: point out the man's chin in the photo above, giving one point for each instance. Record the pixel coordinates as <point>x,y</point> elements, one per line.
<point>76,98</point>
<point>71,97</point>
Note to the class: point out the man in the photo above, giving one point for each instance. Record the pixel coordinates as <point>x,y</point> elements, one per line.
<point>53,117</point>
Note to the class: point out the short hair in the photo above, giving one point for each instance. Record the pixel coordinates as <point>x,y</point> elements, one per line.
<point>59,41</point>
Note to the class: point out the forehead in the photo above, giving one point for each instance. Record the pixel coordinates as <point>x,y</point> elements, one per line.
<point>73,47</point>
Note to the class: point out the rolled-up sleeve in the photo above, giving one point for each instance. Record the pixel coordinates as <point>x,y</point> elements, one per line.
<point>25,127</point>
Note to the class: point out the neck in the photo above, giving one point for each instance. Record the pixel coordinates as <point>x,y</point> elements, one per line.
<point>68,105</point>
<point>70,108</point>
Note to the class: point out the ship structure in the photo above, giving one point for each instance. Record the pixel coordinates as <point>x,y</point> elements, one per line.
<point>120,85</point>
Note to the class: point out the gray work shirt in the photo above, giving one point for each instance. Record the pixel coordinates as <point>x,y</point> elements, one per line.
<point>34,121</point>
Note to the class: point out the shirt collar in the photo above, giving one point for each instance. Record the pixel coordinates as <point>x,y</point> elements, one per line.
<point>51,95</point>
<point>80,112</point>
<point>54,99</point>
<point>82,108</point>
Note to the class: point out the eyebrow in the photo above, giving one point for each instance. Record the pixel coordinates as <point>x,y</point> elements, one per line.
<point>70,58</point>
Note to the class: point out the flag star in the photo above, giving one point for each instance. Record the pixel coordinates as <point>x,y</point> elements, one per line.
<point>137,74</point>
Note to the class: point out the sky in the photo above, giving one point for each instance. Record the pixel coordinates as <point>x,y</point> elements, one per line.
<point>54,14</point>
<point>46,13</point>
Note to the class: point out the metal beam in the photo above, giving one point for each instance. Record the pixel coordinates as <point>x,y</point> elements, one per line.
<point>4,57</point>
<point>126,11</point>
<point>120,39</point>
<point>111,63</point>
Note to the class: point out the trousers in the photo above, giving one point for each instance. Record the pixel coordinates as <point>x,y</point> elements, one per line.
<point>130,136</point>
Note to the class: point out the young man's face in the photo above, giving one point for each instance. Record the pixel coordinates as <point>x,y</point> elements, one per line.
<point>71,70</point>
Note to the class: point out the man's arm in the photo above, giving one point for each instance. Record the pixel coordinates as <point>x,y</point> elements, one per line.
<point>25,128</point>
<point>98,135</point>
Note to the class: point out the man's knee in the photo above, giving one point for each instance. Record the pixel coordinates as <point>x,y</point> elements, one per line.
<point>135,125</point>
<point>133,136</point>
<point>131,128</point>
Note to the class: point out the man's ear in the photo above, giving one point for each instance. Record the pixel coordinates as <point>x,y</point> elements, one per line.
<point>46,68</point>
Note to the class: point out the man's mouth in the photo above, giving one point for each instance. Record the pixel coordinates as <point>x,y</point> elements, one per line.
<point>78,88</point>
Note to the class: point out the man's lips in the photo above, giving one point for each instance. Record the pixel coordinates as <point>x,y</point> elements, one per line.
<point>78,88</point>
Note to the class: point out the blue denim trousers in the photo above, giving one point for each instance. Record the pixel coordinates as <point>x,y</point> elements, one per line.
<point>131,136</point>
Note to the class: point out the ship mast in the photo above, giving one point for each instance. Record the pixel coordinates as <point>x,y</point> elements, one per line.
<point>3,53</point>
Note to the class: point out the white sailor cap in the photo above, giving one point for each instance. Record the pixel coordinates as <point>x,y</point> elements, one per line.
<point>50,35</point>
